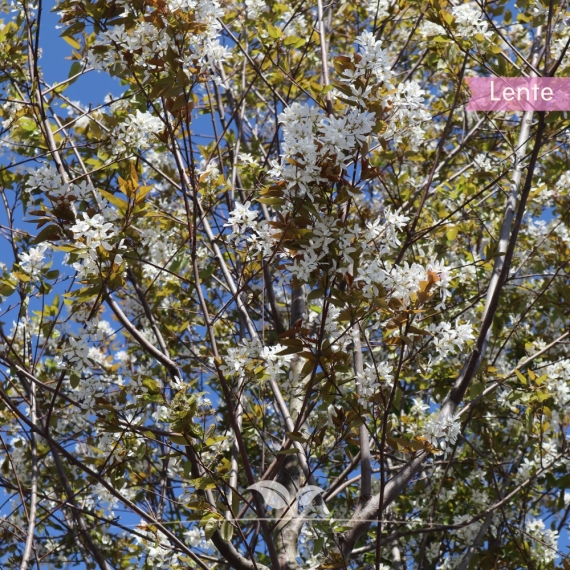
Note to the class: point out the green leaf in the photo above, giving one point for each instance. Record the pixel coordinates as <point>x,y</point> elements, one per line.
<point>272,201</point>
<point>87,293</point>
<point>554,116</point>
<point>49,233</point>
<point>214,440</point>
<point>204,483</point>
<point>398,397</point>
<point>318,545</point>
<point>6,288</point>
<point>73,29</point>
<point>178,440</point>
<point>290,350</point>
<point>528,421</point>
<point>227,530</point>
<point>142,192</point>
<point>297,436</point>
<point>315,294</point>
<point>541,380</point>
<point>74,379</point>
<point>476,389</point>
<point>210,528</point>
<point>290,451</point>
<point>547,411</point>
<point>27,124</point>
<point>415,330</point>
<point>523,17</point>
<point>73,71</point>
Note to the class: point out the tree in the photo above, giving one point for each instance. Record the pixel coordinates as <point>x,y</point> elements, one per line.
<point>284,303</point>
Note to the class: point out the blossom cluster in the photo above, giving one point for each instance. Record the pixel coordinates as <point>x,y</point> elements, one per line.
<point>429,29</point>
<point>309,137</point>
<point>161,250</point>
<point>158,548</point>
<point>372,379</point>
<point>313,142</point>
<point>259,236</point>
<point>378,9</point>
<point>90,234</point>
<point>47,180</point>
<point>470,20</point>
<point>403,281</point>
<point>545,541</point>
<point>32,262</point>
<point>135,131</point>
<point>449,339</point>
<point>142,42</point>
<point>249,352</point>
<point>406,123</point>
<point>441,431</point>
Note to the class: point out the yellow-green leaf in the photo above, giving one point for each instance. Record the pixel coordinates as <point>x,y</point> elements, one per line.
<point>274,32</point>
<point>115,200</point>
<point>521,377</point>
<point>452,233</point>
<point>72,42</point>
<point>446,17</point>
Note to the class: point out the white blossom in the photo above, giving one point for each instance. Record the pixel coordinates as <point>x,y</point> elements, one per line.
<point>254,8</point>
<point>134,132</point>
<point>90,234</point>
<point>470,21</point>
<point>442,431</point>
<point>33,262</point>
<point>428,29</point>
<point>448,339</point>
<point>545,545</point>
<point>372,378</point>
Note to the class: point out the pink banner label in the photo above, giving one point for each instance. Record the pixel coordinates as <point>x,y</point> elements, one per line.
<point>519,94</point>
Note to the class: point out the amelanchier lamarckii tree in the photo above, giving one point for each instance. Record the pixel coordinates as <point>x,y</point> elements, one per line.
<point>285,257</point>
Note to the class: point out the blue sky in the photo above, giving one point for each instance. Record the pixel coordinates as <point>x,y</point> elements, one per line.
<point>91,88</point>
